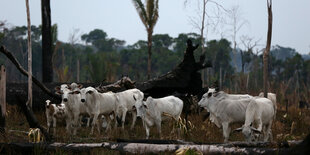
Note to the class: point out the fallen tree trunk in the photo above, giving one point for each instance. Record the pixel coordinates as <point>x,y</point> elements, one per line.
<point>31,119</point>
<point>141,148</point>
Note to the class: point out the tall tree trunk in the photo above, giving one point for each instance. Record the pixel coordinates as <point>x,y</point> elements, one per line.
<point>47,68</point>
<point>78,70</point>
<point>2,100</point>
<point>266,52</point>
<point>149,62</point>
<point>202,39</point>
<point>242,61</point>
<point>29,102</point>
<point>220,77</point>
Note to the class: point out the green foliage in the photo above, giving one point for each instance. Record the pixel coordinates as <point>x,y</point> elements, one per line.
<point>103,66</point>
<point>100,40</point>
<point>94,35</point>
<point>108,58</point>
<point>148,14</point>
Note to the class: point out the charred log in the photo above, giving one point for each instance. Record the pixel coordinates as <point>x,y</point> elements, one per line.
<point>185,78</point>
<point>123,84</point>
<point>32,121</point>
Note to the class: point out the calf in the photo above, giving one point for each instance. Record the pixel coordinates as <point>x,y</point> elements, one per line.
<point>152,110</point>
<point>225,108</point>
<point>260,111</point>
<point>125,101</point>
<point>53,113</point>
<point>98,104</point>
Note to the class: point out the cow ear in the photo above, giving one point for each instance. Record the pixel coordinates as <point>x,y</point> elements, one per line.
<point>145,106</point>
<point>238,129</point>
<point>149,98</point>
<point>255,130</point>
<point>134,97</point>
<point>58,93</point>
<point>134,108</point>
<point>57,88</point>
<point>80,86</point>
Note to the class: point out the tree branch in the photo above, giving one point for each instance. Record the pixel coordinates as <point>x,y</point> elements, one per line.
<point>10,56</point>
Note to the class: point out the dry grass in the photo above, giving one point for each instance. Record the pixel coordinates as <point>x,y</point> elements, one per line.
<point>204,131</point>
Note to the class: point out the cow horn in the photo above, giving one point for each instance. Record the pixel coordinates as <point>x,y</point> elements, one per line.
<point>238,129</point>
<point>255,130</point>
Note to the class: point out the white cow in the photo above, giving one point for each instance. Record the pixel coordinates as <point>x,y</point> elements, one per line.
<point>225,108</point>
<point>273,98</point>
<point>261,112</point>
<point>74,107</point>
<point>153,111</point>
<point>98,104</point>
<point>53,113</point>
<point>126,101</point>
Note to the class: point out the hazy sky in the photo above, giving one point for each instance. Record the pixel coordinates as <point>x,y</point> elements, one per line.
<point>120,20</point>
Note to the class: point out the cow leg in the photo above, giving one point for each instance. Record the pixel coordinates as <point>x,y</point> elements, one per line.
<point>134,118</point>
<point>108,120</point>
<point>115,119</point>
<point>48,124</point>
<point>88,120</point>
<point>260,124</point>
<point>268,132</point>
<point>158,125</point>
<point>68,123</point>
<point>93,123</point>
<point>98,125</point>
<point>124,117</point>
<point>226,131</point>
<point>147,130</point>
<point>80,120</point>
<point>75,122</point>
<point>54,125</point>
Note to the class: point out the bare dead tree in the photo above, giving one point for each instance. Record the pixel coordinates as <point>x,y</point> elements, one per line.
<point>29,102</point>
<point>74,37</point>
<point>267,49</point>
<point>236,22</point>
<point>249,44</point>
<point>205,21</point>
<point>13,59</point>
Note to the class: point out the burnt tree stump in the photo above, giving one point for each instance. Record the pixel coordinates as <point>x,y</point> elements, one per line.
<point>185,78</point>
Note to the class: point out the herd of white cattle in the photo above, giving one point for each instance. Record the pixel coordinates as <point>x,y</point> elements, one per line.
<point>256,112</point>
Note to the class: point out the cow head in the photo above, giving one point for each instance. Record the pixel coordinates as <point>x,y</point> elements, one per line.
<point>86,93</point>
<point>141,106</point>
<point>47,103</point>
<point>75,87</point>
<point>249,132</point>
<point>208,97</point>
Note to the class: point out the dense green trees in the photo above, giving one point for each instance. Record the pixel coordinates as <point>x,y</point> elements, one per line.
<point>104,58</point>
